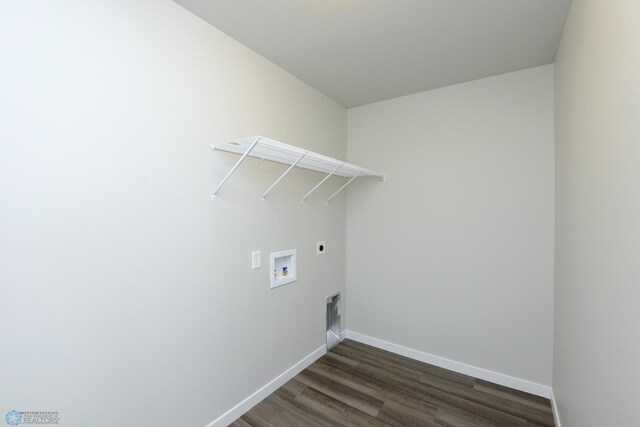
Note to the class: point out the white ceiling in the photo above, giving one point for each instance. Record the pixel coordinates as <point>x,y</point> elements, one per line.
<point>363,51</point>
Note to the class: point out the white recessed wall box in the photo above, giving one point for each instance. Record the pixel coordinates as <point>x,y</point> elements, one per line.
<point>283,268</point>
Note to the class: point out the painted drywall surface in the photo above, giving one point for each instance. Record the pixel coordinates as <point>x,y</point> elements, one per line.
<point>596,375</point>
<point>453,254</point>
<point>126,294</point>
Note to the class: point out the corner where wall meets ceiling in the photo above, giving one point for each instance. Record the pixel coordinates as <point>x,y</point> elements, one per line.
<point>359,52</point>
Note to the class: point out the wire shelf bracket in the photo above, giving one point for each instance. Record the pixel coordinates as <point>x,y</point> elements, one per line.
<point>342,188</point>
<point>321,182</point>
<point>282,176</point>
<point>275,151</point>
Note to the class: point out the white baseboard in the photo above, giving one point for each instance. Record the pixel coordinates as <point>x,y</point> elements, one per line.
<point>484,374</point>
<point>452,365</point>
<point>554,407</point>
<point>237,411</point>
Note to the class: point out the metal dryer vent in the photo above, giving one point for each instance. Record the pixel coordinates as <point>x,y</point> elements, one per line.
<point>333,320</point>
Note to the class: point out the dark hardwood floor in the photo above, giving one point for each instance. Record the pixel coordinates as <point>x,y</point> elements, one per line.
<point>358,385</point>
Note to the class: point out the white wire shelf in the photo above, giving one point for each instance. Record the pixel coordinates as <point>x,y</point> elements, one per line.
<point>275,151</point>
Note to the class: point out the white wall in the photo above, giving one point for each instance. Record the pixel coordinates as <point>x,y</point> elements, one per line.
<point>453,254</point>
<point>126,295</point>
<point>596,376</point>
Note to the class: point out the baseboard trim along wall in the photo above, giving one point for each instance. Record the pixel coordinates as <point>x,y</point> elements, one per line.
<point>554,408</point>
<point>237,411</point>
<point>462,368</point>
<point>484,374</point>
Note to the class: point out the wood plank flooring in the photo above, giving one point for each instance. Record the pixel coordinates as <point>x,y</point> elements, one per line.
<point>358,385</point>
